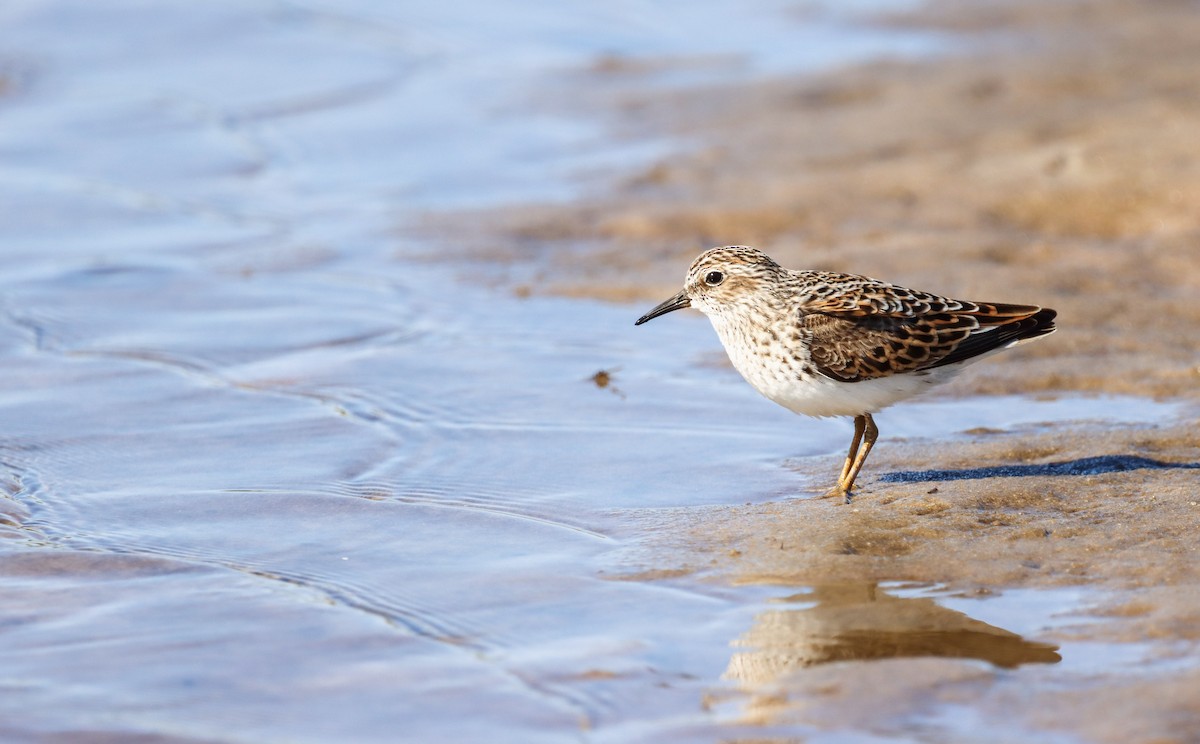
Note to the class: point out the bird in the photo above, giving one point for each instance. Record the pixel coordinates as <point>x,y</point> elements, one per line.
<point>824,343</point>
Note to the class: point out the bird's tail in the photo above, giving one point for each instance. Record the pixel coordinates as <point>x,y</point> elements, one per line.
<point>1001,326</point>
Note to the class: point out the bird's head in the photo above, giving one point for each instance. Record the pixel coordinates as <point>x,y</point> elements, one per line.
<point>722,281</point>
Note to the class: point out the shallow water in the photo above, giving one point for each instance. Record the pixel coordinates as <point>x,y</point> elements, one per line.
<point>271,478</point>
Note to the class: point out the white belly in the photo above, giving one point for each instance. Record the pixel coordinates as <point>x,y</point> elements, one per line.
<point>820,396</point>
<point>796,385</point>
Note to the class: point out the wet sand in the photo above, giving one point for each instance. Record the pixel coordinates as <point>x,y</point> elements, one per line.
<point>268,473</point>
<point>1050,159</point>
<point>1053,161</point>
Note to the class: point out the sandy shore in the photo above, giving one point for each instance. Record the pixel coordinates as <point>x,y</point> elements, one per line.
<point>1055,163</point>
<point>1054,160</point>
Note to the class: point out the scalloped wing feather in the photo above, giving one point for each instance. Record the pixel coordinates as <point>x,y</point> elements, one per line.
<point>861,329</point>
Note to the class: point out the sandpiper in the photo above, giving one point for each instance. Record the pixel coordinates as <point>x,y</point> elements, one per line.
<point>822,343</point>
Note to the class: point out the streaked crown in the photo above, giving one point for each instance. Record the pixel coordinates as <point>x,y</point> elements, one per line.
<point>721,280</point>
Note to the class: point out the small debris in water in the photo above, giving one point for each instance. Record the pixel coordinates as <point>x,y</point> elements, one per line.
<point>604,379</point>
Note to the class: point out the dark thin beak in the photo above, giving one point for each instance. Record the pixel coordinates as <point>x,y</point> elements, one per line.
<point>677,302</point>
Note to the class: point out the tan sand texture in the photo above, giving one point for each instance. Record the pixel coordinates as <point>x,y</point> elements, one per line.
<point>1055,162</point>
<point>1053,158</point>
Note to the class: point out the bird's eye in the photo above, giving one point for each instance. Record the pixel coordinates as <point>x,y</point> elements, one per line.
<point>713,278</point>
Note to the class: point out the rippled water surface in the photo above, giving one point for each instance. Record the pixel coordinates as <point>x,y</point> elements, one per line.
<point>270,478</point>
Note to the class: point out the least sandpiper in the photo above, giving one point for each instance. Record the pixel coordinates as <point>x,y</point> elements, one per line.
<point>822,343</point>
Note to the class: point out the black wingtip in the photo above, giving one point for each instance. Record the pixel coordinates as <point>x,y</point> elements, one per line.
<point>1038,324</point>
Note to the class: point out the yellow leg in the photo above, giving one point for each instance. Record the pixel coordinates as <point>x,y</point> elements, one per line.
<point>870,434</point>
<point>860,423</point>
<point>841,489</point>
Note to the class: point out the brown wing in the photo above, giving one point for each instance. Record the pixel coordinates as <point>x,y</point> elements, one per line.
<point>880,329</point>
<point>849,295</point>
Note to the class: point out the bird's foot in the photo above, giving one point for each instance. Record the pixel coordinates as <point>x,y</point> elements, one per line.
<point>838,492</point>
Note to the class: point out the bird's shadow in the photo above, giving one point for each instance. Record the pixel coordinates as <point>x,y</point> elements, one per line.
<point>1082,466</point>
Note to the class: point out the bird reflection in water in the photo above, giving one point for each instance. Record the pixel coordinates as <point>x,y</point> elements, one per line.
<point>859,622</point>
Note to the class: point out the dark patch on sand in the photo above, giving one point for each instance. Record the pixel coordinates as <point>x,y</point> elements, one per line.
<point>1084,466</point>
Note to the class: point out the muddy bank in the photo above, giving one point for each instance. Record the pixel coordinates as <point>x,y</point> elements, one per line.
<point>1049,159</point>
<point>1041,509</point>
<point>1033,508</point>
